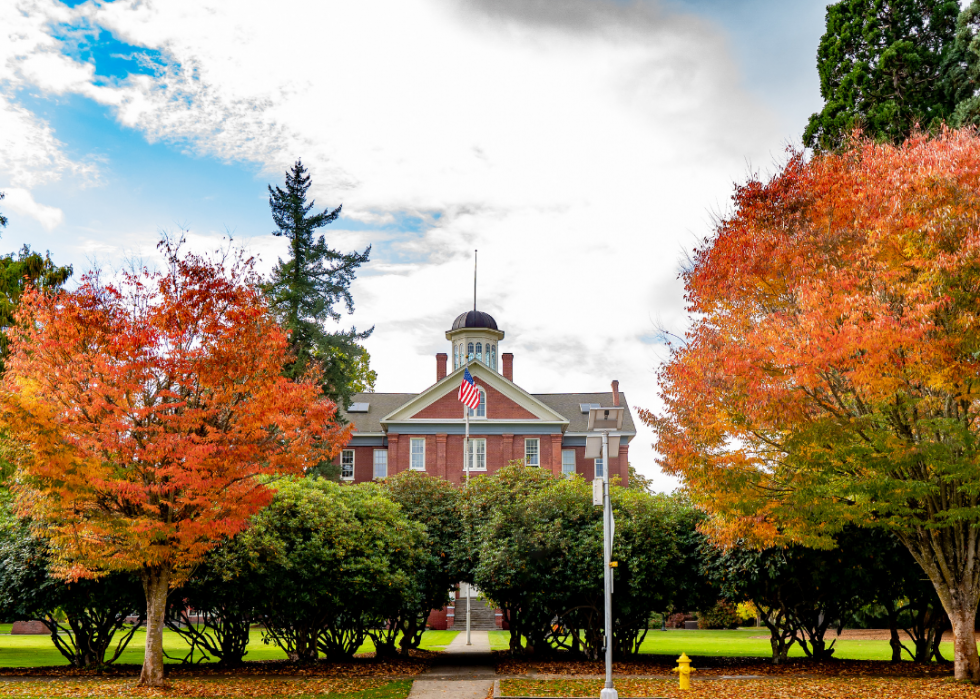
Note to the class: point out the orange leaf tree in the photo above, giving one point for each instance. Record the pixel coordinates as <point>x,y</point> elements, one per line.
<point>147,411</point>
<point>831,373</point>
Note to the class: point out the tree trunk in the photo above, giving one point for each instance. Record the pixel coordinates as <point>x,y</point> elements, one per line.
<point>156,583</point>
<point>894,641</point>
<point>966,664</point>
<point>951,558</point>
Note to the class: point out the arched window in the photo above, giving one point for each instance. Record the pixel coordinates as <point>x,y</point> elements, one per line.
<point>479,351</point>
<point>469,352</point>
<point>493,357</point>
<point>481,410</point>
<point>455,357</point>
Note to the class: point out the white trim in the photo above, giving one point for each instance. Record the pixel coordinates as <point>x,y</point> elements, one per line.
<point>353,457</point>
<point>574,462</point>
<point>442,388</point>
<point>473,443</point>
<point>374,464</point>
<point>483,400</point>
<point>537,441</point>
<point>452,421</point>
<point>592,434</point>
<point>411,453</point>
<point>595,462</point>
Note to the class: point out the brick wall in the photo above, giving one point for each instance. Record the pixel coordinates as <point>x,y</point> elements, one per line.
<point>499,407</point>
<point>444,456</point>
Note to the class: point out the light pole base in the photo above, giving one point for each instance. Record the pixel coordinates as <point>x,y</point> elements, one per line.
<point>608,693</point>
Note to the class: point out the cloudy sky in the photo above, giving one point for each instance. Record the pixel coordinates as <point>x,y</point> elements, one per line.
<point>581,145</point>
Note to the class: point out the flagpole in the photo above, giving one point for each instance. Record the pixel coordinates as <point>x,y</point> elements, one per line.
<point>466,458</point>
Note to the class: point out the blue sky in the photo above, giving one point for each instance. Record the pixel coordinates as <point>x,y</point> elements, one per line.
<point>575,142</point>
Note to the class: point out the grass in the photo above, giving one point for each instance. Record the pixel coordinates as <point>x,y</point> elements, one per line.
<point>744,643</point>
<point>256,689</point>
<point>39,651</point>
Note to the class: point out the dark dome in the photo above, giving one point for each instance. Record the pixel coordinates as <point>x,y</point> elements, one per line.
<point>474,319</point>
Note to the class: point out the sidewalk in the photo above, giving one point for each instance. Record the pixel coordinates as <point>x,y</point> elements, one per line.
<point>463,672</point>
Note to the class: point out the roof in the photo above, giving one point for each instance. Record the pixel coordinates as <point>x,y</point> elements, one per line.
<point>474,319</point>
<point>570,405</point>
<point>379,405</point>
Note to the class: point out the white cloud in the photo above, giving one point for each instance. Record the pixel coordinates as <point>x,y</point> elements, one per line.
<point>576,144</point>
<point>30,154</point>
<point>21,201</point>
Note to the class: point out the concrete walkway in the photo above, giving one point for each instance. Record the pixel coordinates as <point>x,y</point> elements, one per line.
<point>480,643</point>
<point>463,672</point>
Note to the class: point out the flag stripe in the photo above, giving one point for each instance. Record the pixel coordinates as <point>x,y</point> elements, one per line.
<point>469,394</point>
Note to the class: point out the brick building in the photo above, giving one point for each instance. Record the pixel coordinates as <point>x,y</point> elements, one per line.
<point>395,432</point>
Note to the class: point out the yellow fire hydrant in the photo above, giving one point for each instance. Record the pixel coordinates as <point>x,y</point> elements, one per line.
<point>684,671</point>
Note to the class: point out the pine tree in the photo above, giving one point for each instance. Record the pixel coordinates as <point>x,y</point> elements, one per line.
<point>305,288</point>
<point>883,67</point>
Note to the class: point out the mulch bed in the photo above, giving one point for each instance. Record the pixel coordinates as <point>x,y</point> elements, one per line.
<point>654,665</point>
<point>770,688</point>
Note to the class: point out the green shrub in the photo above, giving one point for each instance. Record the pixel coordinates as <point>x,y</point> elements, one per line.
<point>722,616</point>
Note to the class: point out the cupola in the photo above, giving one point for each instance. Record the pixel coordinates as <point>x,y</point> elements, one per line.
<point>474,337</point>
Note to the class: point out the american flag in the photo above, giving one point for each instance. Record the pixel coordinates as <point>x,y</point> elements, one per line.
<point>469,394</point>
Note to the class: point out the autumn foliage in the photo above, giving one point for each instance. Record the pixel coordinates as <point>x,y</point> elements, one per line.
<point>832,373</point>
<point>144,412</point>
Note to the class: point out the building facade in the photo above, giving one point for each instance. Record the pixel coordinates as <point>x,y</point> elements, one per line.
<point>425,431</point>
<point>395,432</point>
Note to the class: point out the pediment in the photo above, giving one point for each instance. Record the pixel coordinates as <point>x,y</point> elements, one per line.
<point>505,400</point>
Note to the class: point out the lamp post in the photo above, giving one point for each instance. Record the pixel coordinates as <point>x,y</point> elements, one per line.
<point>604,421</point>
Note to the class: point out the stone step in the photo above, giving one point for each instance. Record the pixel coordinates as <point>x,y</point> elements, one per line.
<point>482,617</point>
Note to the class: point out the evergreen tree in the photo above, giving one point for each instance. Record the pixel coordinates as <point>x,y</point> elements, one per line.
<point>964,74</point>
<point>305,289</point>
<point>16,274</point>
<point>883,67</point>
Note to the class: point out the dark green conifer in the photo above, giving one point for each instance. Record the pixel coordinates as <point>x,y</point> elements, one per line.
<point>883,67</point>
<point>305,289</point>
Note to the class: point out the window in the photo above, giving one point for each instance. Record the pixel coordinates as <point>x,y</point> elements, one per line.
<point>478,455</point>
<point>347,465</point>
<point>380,463</point>
<point>600,471</point>
<point>493,357</point>
<point>479,351</point>
<point>568,461</point>
<point>469,351</point>
<point>532,452</point>
<point>418,453</point>
<point>481,409</point>
<point>455,357</point>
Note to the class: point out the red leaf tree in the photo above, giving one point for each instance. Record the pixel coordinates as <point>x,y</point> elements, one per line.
<point>832,373</point>
<point>145,414</point>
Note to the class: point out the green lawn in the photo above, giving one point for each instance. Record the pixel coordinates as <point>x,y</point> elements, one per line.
<point>123,689</point>
<point>37,651</point>
<point>736,643</point>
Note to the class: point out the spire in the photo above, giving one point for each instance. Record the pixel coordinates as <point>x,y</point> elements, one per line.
<point>474,278</point>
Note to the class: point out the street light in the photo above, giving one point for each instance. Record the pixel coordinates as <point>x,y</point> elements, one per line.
<point>604,421</point>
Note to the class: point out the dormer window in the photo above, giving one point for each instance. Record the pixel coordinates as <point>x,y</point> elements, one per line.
<point>481,410</point>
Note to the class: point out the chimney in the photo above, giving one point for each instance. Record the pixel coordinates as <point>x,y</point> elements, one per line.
<point>441,360</point>
<point>508,358</point>
<point>615,388</point>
